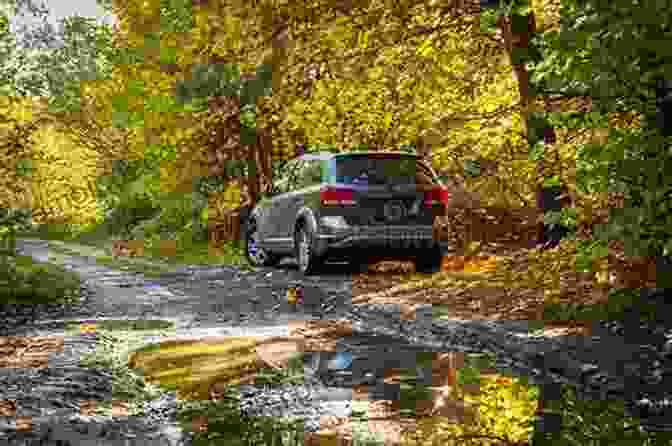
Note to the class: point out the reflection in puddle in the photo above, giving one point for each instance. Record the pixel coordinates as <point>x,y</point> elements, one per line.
<point>444,398</point>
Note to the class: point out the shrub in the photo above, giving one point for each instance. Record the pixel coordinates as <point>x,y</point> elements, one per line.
<point>28,282</point>
<point>129,213</point>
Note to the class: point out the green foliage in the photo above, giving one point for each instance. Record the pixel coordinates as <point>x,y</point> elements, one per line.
<point>470,373</point>
<point>293,373</point>
<point>176,16</point>
<point>589,251</point>
<point>261,85</point>
<point>472,167</point>
<point>537,151</point>
<point>536,123</point>
<point>565,217</point>
<point>488,20</point>
<point>111,353</point>
<point>156,153</point>
<point>595,421</point>
<point>209,80</point>
<point>80,50</point>
<point>176,210</point>
<point>134,178</point>
<point>620,75</point>
<point>30,283</point>
<point>226,425</point>
<point>594,166</point>
<point>24,167</point>
<point>248,116</point>
<point>621,304</point>
<point>129,212</point>
<point>52,231</point>
<point>217,184</point>
<point>11,221</point>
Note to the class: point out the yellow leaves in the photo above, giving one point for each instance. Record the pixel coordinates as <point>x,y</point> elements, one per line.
<point>150,6</point>
<point>228,35</point>
<point>363,39</point>
<point>425,48</point>
<point>503,409</point>
<point>546,14</point>
<point>387,120</point>
<point>339,34</point>
<point>58,190</point>
<point>375,73</point>
<point>231,195</point>
<point>18,109</point>
<point>220,203</point>
<point>628,120</point>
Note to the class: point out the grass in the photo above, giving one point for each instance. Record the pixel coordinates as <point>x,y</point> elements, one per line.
<point>27,281</point>
<point>125,325</point>
<point>292,374</point>
<point>97,242</point>
<point>111,352</point>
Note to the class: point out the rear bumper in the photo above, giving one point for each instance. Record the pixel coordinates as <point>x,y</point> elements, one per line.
<point>409,240</point>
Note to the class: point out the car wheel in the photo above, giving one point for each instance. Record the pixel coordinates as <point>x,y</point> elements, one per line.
<point>359,265</point>
<point>256,255</point>
<point>429,262</point>
<point>305,256</point>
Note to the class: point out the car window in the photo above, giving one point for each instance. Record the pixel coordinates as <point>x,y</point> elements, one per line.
<point>309,174</point>
<point>391,169</point>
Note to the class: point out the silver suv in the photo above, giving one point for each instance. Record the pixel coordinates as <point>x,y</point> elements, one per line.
<point>357,206</point>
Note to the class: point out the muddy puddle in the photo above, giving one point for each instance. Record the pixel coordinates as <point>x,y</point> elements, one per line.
<point>397,394</point>
<point>318,383</point>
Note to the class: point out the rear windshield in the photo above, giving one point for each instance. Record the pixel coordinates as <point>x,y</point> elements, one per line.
<point>388,169</point>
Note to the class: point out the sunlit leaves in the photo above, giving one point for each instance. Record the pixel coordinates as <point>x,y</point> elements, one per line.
<point>505,408</point>
<point>58,191</point>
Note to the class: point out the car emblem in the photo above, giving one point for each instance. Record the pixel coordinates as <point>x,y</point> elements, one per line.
<point>415,207</point>
<point>394,210</point>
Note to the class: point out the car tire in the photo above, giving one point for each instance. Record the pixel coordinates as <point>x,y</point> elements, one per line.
<point>255,255</point>
<point>306,259</point>
<point>429,262</point>
<point>358,265</point>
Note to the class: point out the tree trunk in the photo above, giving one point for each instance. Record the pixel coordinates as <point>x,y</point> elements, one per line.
<point>517,38</point>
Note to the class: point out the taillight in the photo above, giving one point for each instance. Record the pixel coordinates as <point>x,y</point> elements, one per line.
<point>437,196</point>
<point>331,196</point>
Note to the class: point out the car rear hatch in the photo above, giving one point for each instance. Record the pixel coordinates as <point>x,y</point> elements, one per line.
<point>386,189</point>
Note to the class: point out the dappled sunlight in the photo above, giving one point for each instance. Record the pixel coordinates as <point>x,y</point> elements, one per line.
<point>522,285</point>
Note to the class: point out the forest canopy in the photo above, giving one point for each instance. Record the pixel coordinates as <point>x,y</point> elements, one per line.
<point>197,91</point>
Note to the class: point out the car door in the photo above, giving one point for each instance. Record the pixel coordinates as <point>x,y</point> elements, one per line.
<point>286,205</point>
<point>308,175</point>
<point>284,185</point>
